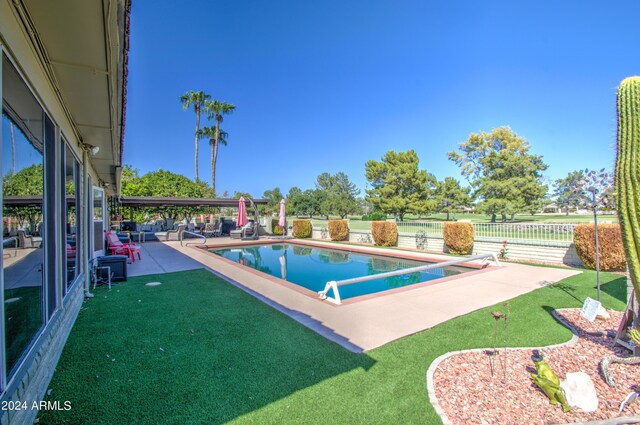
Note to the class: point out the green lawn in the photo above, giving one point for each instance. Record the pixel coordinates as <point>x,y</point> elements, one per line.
<point>198,350</point>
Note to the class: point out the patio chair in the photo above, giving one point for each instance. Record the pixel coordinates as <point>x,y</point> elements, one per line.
<point>24,240</point>
<point>71,251</point>
<point>249,230</point>
<point>213,229</point>
<point>99,275</point>
<point>179,231</point>
<point>118,248</point>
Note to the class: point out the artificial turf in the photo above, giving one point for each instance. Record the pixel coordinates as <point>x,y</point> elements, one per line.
<point>198,350</point>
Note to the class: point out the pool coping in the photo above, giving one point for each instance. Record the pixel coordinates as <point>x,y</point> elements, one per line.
<point>353,300</point>
<point>375,322</point>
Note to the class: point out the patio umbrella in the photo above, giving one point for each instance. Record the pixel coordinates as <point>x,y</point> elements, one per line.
<point>283,221</point>
<point>242,213</point>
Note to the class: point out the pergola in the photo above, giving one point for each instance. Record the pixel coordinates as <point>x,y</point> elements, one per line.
<point>148,201</point>
<point>151,201</point>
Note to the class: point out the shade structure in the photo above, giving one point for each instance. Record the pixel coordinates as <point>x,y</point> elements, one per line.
<point>242,213</point>
<point>282,214</point>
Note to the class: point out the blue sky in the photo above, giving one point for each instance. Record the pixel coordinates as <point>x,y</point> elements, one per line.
<point>326,86</point>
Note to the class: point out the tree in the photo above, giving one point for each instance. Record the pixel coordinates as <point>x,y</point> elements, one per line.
<point>163,184</point>
<point>450,196</point>
<point>216,109</point>
<point>211,133</point>
<point>564,193</point>
<point>506,178</point>
<point>314,198</point>
<point>195,98</point>
<point>293,199</point>
<point>341,194</point>
<point>398,187</point>
<point>273,198</point>
<point>238,195</point>
<point>13,148</point>
<point>27,182</point>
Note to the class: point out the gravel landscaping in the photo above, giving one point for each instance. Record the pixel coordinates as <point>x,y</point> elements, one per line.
<point>467,392</point>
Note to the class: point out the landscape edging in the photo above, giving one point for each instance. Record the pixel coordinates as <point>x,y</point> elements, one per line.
<point>433,399</point>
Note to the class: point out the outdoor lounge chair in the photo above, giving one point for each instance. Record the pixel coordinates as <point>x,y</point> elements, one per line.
<point>179,231</point>
<point>118,248</point>
<point>24,240</point>
<point>213,229</point>
<point>249,230</point>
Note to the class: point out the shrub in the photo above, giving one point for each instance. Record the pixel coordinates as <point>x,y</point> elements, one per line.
<point>385,233</point>
<point>609,242</point>
<point>302,228</point>
<point>338,230</point>
<point>458,237</point>
<point>276,229</point>
<point>374,216</point>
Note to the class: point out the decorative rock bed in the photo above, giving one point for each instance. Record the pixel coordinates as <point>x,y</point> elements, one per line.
<point>464,392</point>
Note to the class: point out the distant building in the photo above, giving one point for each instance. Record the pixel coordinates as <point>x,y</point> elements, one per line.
<point>551,209</point>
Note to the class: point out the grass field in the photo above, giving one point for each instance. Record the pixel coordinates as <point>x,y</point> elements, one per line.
<point>198,350</point>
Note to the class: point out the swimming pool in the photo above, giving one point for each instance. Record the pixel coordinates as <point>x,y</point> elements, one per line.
<point>312,267</point>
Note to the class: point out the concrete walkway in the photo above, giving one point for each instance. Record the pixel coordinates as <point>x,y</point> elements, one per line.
<point>372,322</point>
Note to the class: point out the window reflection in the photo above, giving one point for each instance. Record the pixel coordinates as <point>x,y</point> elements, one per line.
<point>98,227</point>
<point>71,223</point>
<point>22,223</point>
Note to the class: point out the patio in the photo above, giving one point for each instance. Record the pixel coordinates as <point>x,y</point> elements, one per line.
<point>366,324</point>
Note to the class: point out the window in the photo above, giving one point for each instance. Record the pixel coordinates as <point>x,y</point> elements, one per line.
<point>23,171</point>
<point>71,228</point>
<point>98,223</point>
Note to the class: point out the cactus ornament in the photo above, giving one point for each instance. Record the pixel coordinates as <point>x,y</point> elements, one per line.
<point>628,174</point>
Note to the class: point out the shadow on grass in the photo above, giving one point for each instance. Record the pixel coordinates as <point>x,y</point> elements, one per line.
<point>568,289</point>
<point>616,288</point>
<point>193,350</point>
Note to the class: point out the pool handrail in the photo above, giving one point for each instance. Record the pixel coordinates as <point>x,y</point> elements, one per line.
<point>193,234</point>
<point>333,284</point>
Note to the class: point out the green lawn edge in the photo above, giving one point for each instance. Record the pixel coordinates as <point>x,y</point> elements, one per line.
<point>198,350</point>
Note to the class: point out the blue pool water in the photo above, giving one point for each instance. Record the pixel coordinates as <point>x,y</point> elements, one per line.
<point>312,267</point>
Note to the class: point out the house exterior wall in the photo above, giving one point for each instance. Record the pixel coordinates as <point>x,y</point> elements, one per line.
<point>28,381</point>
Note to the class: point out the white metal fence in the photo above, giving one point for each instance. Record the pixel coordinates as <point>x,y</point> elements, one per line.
<point>556,232</point>
<point>515,231</point>
<point>503,231</point>
<point>433,228</point>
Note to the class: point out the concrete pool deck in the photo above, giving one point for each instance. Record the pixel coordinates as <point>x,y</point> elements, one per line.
<point>369,323</point>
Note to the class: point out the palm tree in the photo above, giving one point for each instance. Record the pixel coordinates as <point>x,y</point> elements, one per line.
<point>197,98</point>
<point>13,150</point>
<point>210,132</point>
<point>216,109</point>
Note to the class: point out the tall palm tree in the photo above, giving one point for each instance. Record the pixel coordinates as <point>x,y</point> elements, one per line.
<point>210,133</point>
<point>197,98</point>
<point>216,109</point>
<point>13,150</point>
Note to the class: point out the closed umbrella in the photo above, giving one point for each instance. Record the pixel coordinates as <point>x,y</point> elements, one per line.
<point>242,212</point>
<point>283,266</point>
<point>283,220</point>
